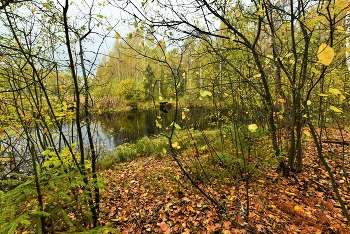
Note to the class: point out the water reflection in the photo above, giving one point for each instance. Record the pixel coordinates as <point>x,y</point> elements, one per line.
<point>114,129</point>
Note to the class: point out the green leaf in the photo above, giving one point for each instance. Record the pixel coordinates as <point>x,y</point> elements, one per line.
<point>205,93</point>
<point>177,126</point>
<point>252,127</point>
<point>46,152</point>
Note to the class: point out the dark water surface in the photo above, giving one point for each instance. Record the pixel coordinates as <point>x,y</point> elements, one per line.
<point>116,128</point>
<point>111,130</point>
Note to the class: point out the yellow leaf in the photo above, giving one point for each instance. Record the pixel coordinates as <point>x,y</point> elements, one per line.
<point>298,208</point>
<point>175,145</point>
<point>252,127</point>
<point>323,95</point>
<point>315,71</point>
<point>307,133</point>
<point>190,208</point>
<point>257,76</point>
<point>260,10</point>
<point>335,109</point>
<point>158,124</point>
<point>334,91</point>
<point>308,102</point>
<point>325,54</point>
<point>340,28</point>
<point>290,193</point>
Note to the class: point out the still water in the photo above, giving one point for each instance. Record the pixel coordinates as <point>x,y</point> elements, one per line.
<point>112,130</point>
<point>116,128</point>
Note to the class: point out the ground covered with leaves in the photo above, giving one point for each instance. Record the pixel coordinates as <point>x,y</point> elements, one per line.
<point>151,195</point>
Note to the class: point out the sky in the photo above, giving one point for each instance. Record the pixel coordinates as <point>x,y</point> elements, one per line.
<point>109,19</point>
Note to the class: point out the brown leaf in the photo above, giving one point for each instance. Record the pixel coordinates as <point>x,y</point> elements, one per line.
<point>164,227</point>
<point>227,224</point>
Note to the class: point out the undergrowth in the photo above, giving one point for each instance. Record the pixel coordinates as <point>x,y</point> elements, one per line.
<point>64,195</point>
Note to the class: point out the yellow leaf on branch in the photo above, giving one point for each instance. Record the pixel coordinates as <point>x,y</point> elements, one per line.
<point>325,54</point>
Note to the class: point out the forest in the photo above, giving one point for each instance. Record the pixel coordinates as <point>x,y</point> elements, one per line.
<point>267,80</point>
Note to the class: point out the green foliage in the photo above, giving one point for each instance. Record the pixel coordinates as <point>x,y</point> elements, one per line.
<point>144,147</point>
<point>130,90</point>
<point>65,196</point>
<point>15,208</point>
<point>150,83</point>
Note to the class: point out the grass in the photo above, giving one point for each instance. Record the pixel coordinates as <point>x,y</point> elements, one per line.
<point>209,153</point>
<point>144,147</point>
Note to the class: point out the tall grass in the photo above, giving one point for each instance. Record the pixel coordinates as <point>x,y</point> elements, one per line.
<point>144,147</point>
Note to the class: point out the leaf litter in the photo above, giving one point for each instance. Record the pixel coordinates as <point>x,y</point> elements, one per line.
<point>151,195</point>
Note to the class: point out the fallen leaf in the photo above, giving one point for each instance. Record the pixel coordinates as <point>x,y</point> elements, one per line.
<point>164,227</point>
<point>298,208</point>
<point>227,224</point>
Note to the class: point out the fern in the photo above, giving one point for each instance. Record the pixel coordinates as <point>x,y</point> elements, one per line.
<point>12,226</point>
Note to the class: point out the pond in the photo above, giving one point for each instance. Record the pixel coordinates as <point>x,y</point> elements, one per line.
<point>114,129</point>
<point>117,128</point>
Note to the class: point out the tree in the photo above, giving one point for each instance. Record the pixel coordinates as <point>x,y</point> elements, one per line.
<point>44,50</point>
<point>286,49</point>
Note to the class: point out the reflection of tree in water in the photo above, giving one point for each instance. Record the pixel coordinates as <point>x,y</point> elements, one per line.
<point>128,126</point>
<point>132,125</point>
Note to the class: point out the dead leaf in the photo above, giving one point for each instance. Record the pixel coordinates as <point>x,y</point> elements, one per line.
<point>164,227</point>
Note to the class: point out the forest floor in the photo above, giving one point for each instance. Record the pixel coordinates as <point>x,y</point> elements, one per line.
<point>151,195</point>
